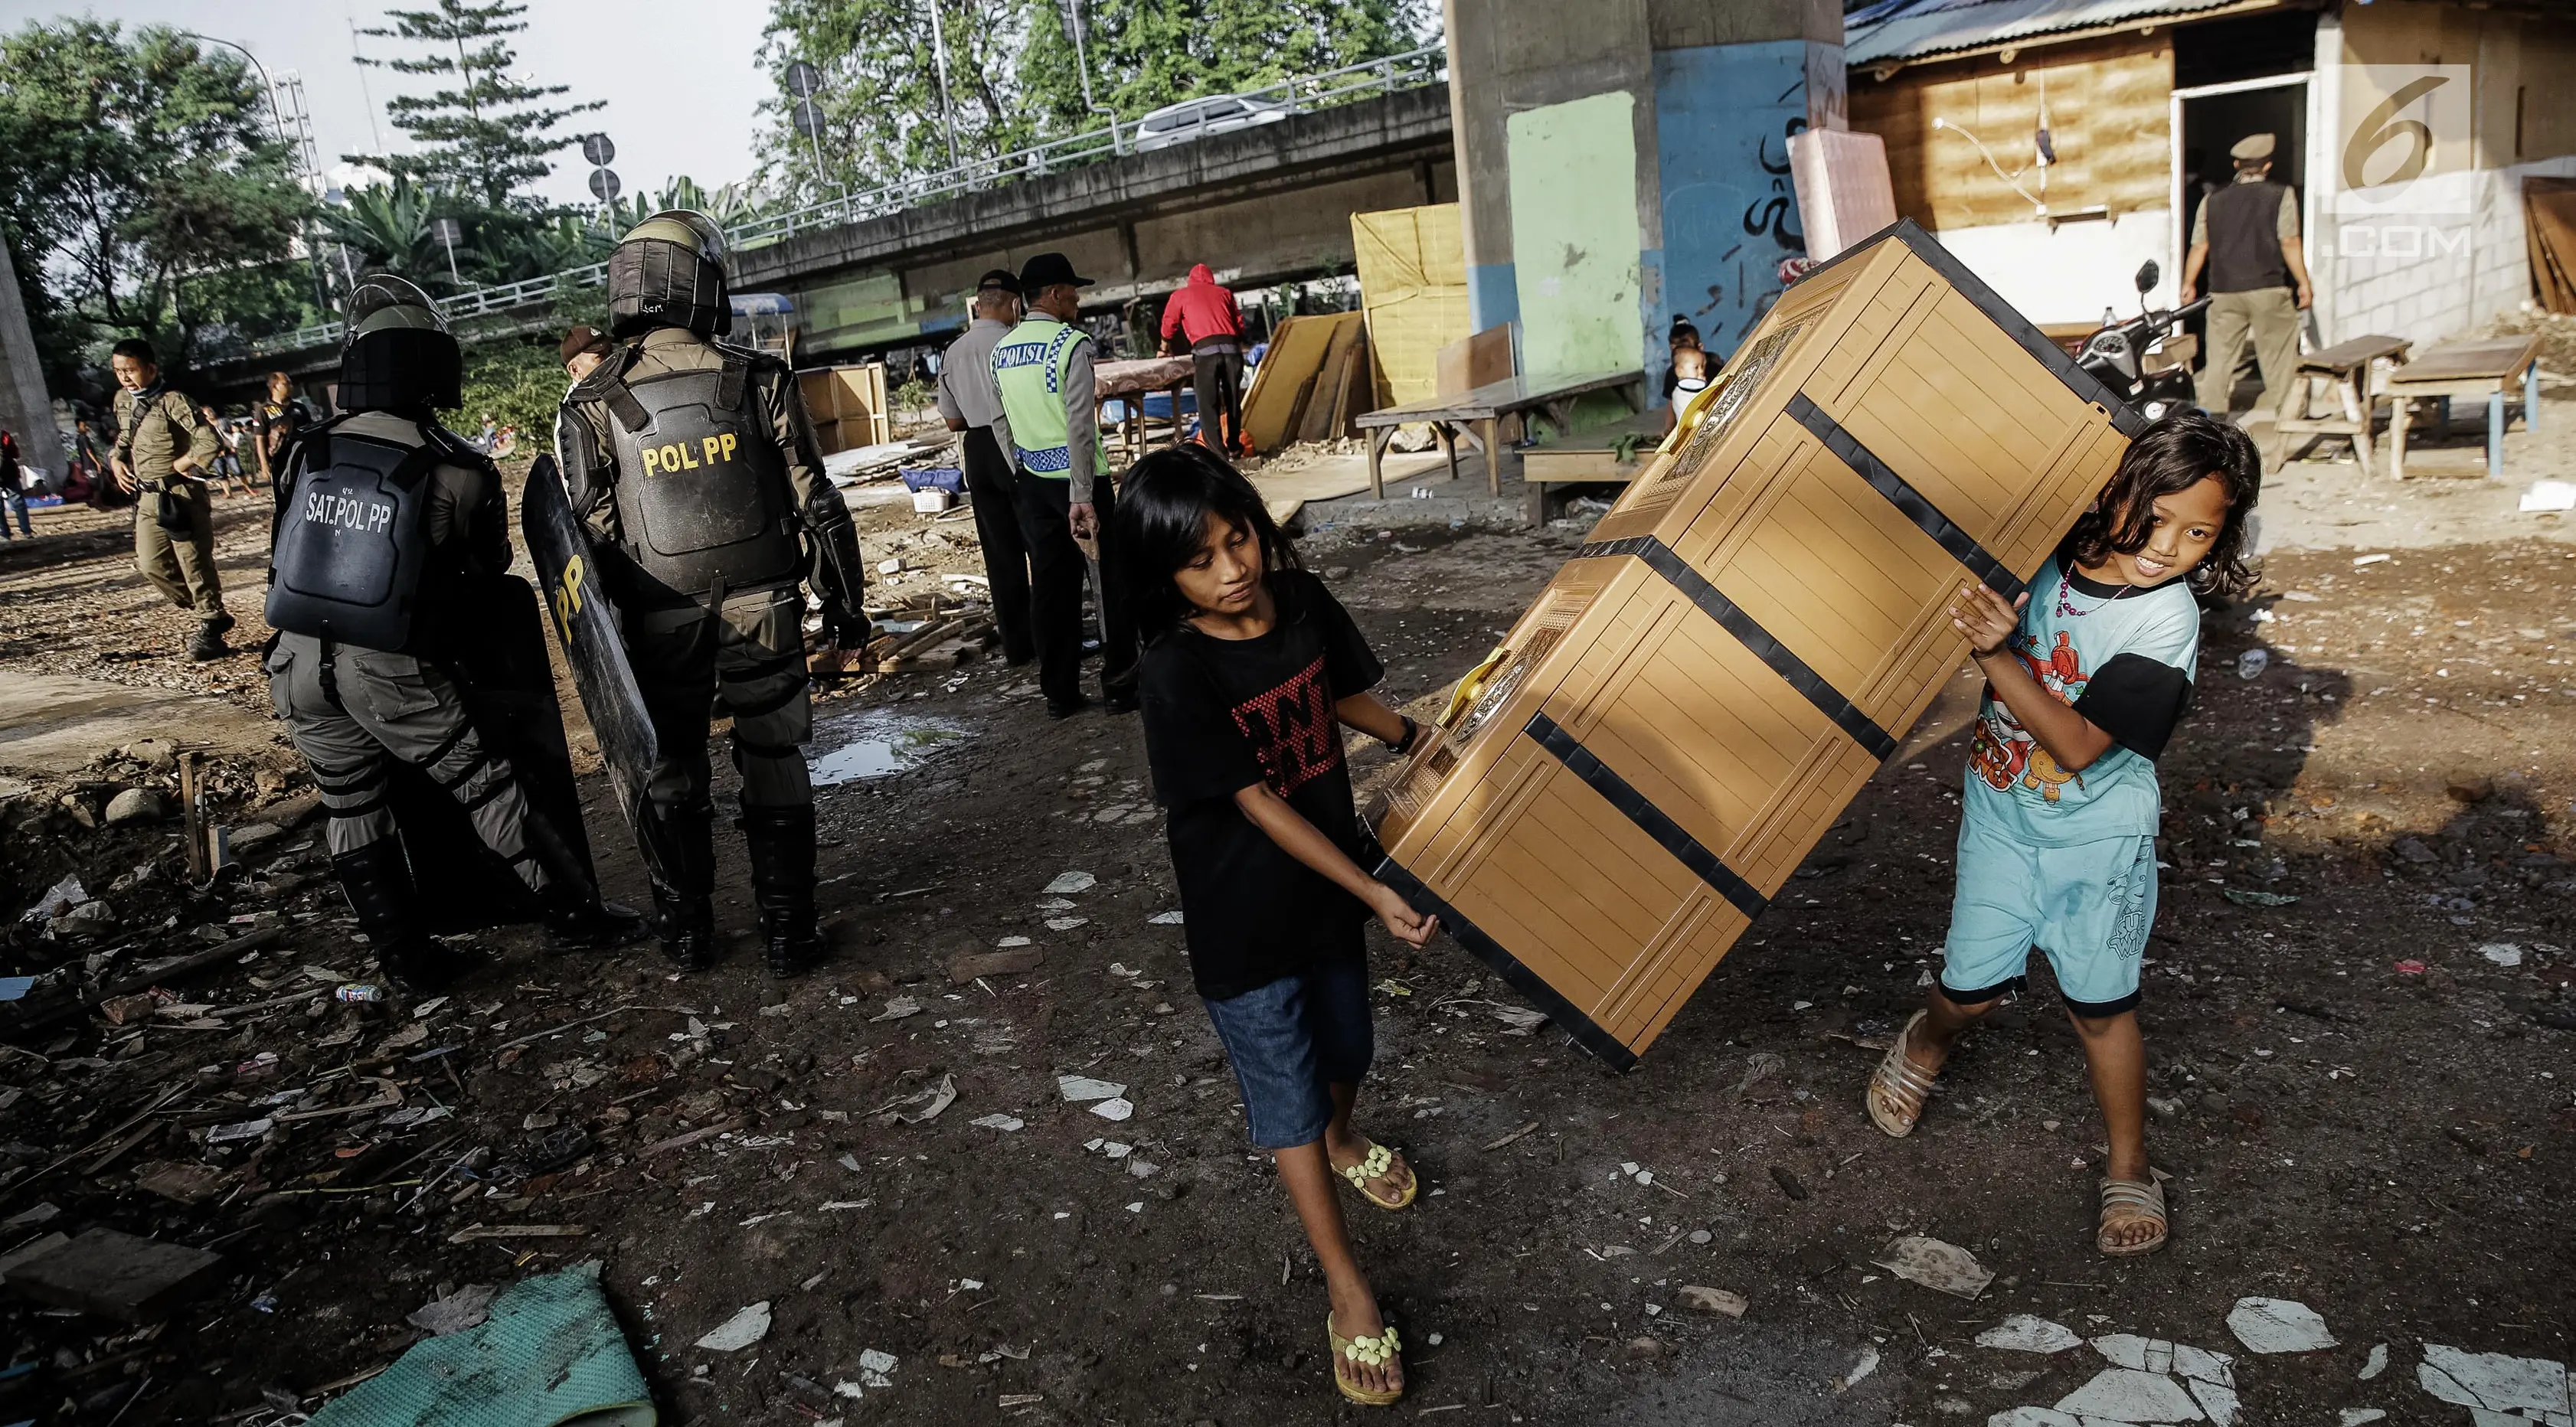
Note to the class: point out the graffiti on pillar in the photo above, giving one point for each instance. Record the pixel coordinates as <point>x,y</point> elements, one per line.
<point>1723,118</point>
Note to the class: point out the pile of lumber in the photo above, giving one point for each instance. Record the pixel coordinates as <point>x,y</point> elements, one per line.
<point>945,633</point>
<point>1316,380</point>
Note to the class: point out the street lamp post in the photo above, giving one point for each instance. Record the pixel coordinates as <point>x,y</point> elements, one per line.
<point>277,121</point>
<point>939,53</point>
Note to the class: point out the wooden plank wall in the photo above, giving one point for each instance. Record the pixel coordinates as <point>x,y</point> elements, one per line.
<point>2108,115</point>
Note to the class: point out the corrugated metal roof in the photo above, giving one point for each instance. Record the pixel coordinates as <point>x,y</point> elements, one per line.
<point>1919,29</point>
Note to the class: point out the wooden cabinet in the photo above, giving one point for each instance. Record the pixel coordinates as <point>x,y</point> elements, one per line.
<point>1663,736</point>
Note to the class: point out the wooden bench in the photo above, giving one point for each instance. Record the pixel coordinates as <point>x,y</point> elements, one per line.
<point>1478,415</point>
<point>2349,366</point>
<point>2480,368</point>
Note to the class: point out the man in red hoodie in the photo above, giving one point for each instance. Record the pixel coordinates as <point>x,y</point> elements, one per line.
<point>1207,315</point>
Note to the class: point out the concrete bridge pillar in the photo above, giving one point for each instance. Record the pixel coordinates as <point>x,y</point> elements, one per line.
<point>1621,161</point>
<point>24,406</point>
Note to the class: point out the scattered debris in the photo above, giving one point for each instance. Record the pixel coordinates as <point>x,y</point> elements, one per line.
<point>1788,1182</point>
<point>1011,961</point>
<point>1066,883</point>
<point>1859,1370</point>
<point>997,1121</point>
<point>1082,1088</point>
<point>898,1007</point>
<point>922,1105</point>
<point>2502,953</point>
<point>115,1275</point>
<point>1941,1267</point>
<point>1115,1108</point>
<point>746,1327</point>
<point>2378,1362</point>
<point>467,1307</point>
<point>1711,1300</point>
<point>2025,1333</point>
<point>2278,1325</point>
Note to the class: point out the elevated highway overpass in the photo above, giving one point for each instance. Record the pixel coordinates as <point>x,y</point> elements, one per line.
<point>1260,205</point>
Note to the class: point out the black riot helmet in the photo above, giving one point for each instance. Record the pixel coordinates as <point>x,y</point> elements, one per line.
<point>397,354</point>
<point>668,271</point>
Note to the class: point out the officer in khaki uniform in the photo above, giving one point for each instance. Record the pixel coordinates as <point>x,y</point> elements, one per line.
<point>385,523</point>
<point>2246,238</point>
<point>165,450</point>
<point>692,467</point>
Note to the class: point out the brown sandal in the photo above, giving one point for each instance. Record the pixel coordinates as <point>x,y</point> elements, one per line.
<point>1904,1085</point>
<point>2126,1201</point>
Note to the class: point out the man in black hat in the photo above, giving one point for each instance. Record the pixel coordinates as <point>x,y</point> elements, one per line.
<point>1043,371</point>
<point>973,408</point>
<point>2247,238</point>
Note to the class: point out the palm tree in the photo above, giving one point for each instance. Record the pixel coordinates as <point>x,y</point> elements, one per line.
<point>388,227</point>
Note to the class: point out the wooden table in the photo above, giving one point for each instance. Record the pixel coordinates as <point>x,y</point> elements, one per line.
<point>2479,368</point>
<point>1478,415</point>
<point>2349,366</point>
<point>1129,381</point>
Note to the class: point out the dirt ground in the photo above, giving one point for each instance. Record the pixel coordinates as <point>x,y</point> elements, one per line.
<point>2357,1008</point>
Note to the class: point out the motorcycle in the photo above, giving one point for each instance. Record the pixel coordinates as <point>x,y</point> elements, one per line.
<point>2116,355</point>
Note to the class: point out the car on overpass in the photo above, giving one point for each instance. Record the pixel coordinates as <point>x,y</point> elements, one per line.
<point>1194,119</point>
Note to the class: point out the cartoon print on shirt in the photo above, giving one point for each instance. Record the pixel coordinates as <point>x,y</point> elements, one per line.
<point>2003,752</point>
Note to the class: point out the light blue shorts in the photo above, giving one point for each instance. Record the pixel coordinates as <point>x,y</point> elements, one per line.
<point>2088,906</point>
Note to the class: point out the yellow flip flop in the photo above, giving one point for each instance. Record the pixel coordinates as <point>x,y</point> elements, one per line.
<point>1366,1352</point>
<point>1375,1164</point>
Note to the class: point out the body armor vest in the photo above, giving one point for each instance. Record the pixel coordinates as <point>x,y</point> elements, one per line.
<point>351,561</point>
<point>701,487</point>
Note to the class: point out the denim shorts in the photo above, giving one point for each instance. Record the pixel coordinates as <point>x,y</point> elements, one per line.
<point>1292,1038</point>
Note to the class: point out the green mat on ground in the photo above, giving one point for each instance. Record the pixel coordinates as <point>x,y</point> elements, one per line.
<point>551,1355</point>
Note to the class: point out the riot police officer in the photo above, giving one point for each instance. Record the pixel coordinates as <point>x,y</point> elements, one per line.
<point>386,524</point>
<point>692,467</point>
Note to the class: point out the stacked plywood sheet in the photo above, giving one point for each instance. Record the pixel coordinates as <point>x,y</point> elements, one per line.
<point>1630,778</point>
<point>1312,383</point>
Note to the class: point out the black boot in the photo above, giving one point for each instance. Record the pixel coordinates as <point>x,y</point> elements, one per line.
<point>378,884</point>
<point>687,928</point>
<point>781,842</point>
<point>576,918</point>
<point>207,644</point>
<point>680,856</point>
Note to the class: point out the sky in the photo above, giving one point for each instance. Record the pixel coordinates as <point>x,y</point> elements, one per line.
<point>681,77</point>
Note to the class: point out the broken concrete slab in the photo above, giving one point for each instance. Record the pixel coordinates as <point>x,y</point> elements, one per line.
<point>2128,1395</point>
<point>115,1275</point>
<point>2278,1325</point>
<point>746,1327</point>
<point>2034,1417</point>
<point>2524,1388</point>
<point>2216,1399</point>
<point>2026,1333</point>
<point>2128,1350</point>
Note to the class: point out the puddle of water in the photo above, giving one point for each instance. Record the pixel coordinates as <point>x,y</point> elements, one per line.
<point>877,743</point>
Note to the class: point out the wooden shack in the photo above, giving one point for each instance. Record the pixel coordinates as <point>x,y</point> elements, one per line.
<point>1625,783</point>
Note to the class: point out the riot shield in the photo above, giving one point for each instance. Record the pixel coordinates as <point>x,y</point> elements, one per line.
<point>509,689</point>
<point>586,623</point>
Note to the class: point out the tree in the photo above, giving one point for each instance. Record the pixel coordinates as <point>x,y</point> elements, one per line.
<point>490,135</point>
<point>1013,79</point>
<point>144,190</point>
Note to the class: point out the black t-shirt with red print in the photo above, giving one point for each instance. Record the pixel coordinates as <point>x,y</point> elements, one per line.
<point>1222,715</point>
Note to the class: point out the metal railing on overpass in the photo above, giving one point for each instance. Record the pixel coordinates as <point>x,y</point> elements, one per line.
<point>1412,69</point>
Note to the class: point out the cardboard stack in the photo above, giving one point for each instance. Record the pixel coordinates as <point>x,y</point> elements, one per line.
<point>847,406</point>
<point>1623,785</point>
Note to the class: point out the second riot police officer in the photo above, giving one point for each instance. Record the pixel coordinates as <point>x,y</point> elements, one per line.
<point>692,467</point>
<point>387,527</point>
